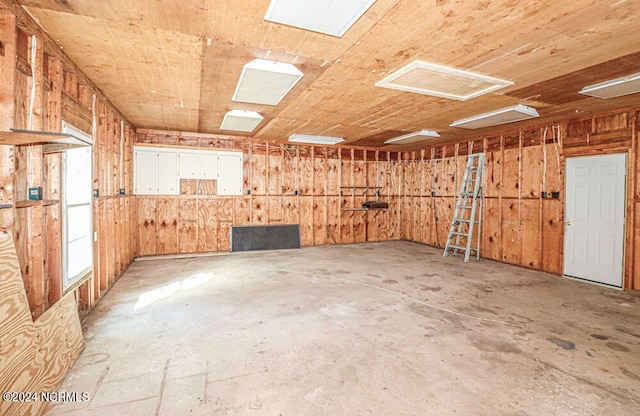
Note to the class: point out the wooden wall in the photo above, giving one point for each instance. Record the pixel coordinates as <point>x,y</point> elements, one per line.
<point>321,188</point>
<point>42,88</point>
<point>519,226</point>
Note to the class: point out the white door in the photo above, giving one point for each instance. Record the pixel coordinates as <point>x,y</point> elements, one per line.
<point>168,181</point>
<point>594,218</point>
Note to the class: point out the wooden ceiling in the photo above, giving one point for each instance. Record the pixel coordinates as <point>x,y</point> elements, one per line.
<point>174,64</point>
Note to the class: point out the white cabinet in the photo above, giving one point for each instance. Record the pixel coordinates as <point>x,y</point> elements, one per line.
<point>208,165</point>
<point>168,180</point>
<point>155,171</point>
<point>230,174</point>
<point>188,162</point>
<point>145,166</point>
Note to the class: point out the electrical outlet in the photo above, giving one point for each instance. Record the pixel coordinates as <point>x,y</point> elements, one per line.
<point>123,191</point>
<point>543,194</point>
<point>96,193</point>
<point>95,236</point>
<point>555,195</point>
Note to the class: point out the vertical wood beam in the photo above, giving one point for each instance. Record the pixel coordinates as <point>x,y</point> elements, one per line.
<point>8,34</point>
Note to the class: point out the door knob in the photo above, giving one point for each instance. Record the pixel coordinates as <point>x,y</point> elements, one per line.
<point>568,223</point>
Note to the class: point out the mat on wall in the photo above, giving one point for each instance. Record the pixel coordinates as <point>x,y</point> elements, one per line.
<point>264,237</point>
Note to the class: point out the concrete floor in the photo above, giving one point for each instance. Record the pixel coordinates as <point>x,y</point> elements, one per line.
<point>384,328</point>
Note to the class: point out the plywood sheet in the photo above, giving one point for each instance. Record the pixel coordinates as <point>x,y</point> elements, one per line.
<point>532,163</point>
<point>259,215</point>
<point>306,220</point>
<point>274,186</point>
<point>187,225</point>
<point>333,176</point>
<point>491,246</point>
<point>207,225</point>
<point>333,220</point>
<point>305,175</point>
<point>511,233</point>
<point>274,212</point>
<point>42,352</point>
<point>242,211</point>
<point>511,172</point>
<point>531,234</point>
<point>167,241</point>
<point>552,235</point>
<point>319,220</point>
<point>258,173</point>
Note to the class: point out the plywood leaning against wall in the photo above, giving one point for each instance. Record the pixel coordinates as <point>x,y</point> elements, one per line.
<point>35,355</point>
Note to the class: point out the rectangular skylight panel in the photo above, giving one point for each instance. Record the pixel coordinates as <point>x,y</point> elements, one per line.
<point>618,87</point>
<point>418,136</point>
<point>440,81</point>
<point>266,82</point>
<point>506,115</point>
<point>331,17</point>
<point>240,120</point>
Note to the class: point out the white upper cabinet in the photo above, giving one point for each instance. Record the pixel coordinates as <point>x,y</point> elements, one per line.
<point>168,181</point>
<point>157,171</point>
<point>145,167</point>
<point>230,174</point>
<point>208,165</point>
<point>188,165</point>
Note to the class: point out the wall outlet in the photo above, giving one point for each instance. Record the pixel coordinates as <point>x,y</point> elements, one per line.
<point>543,194</point>
<point>123,191</point>
<point>96,193</point>
<point>555,195</point>
<point>95,236</point>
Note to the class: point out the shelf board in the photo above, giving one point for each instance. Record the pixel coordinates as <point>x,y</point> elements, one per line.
<point>50,141</point>
<point>32,203</point>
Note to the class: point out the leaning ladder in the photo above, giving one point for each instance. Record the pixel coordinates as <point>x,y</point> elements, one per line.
<point>464,215</point>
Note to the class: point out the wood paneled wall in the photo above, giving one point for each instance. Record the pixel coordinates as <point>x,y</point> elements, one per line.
<point>519,226</point>
<point>321,188</point>
<point>41,88</point>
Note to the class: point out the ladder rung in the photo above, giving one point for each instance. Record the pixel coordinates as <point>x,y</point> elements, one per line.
<point>459,233</point>
<point>467,194</point>
<point>457,247</point>
<point>465,206</point>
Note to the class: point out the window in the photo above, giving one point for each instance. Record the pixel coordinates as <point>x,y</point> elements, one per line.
<point>77,221</point>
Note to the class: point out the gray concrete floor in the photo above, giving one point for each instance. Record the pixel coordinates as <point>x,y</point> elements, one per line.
<point>383,328</point>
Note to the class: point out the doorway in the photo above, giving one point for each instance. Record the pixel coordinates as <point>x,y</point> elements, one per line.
<point>595,218</point>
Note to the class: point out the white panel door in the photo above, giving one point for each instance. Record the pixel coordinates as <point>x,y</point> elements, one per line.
<point>146,172</point>
<point>230,174</point>
<point>594,218</point>
<point>168,181</point>
<point>188,163</point>
<point>208,166</point>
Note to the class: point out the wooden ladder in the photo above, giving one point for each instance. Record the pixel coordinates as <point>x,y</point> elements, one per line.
<point>464,215</point>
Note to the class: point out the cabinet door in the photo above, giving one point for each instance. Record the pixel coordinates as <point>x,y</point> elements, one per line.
<point>230,174</point>
<point>168,181</point>
<point>188,163</point>
<point>146,172</point>
<point>208,166</point>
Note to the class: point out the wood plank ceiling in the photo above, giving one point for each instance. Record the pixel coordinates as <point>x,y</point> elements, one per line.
<point>174,64</point>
